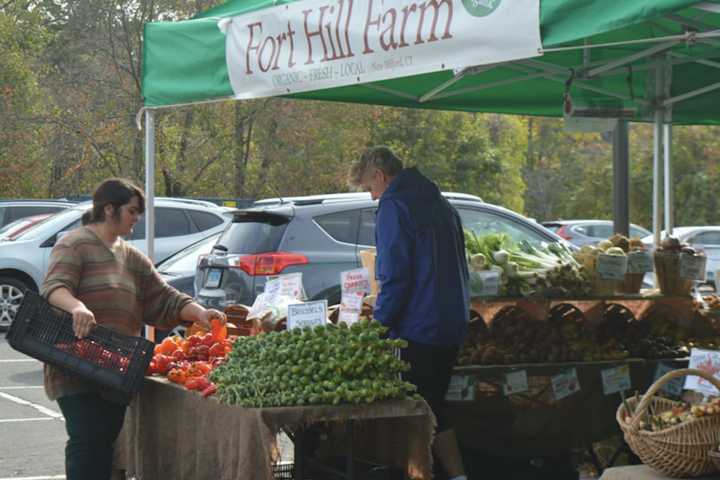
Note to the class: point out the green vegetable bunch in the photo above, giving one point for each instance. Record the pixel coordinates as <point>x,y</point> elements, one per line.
<point>325,365</point>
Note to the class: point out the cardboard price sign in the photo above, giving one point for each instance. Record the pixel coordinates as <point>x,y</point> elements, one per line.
<point>692,267</point>
<point>565,384</point>
<point>673,387</point>
<point>612,267</point>
<point>515,382</point>
<point>639,262</point>
<point>461,389</point>
<point>616,379</point>
<point>357,280</point>
<point>707,361</point>
<point>307,315</point>
<point>350,307</point>
<point>485,283</point>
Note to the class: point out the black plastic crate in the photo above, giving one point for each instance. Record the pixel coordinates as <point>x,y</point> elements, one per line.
<point>105,357</point>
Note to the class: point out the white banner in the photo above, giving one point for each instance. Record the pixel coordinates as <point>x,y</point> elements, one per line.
<point>316,44</point>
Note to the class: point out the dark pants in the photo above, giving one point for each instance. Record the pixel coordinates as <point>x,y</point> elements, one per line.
<point>430,371</point>
<point>93,424</point>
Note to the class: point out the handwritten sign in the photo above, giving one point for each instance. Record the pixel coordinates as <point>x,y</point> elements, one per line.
<point>461,389</point>
<point>612,267</point>
<point>357,280</point>
<point>307,315</point>
<point>515,382</point>
<point>291,285</point>
<point>350,307</point>
<point>616,379</point>
<point>692,267</point>
<point>675,386</point>
<point>271,295</point>
<point>639,262</point>
<point>707,361</point>
<point>565,384</point>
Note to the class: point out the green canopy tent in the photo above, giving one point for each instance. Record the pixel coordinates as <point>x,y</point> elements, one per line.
<point>641,60</point>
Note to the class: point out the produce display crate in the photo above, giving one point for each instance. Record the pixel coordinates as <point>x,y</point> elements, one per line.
<point>105,357</point>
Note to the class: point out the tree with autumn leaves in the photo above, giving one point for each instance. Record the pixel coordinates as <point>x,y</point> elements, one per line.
<point>70,76</point>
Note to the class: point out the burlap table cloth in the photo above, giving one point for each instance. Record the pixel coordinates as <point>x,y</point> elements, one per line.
<point>173,434</point>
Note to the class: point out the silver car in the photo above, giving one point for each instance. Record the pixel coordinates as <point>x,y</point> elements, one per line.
<point>320,236</point>
<point>704,238</point>
<point>589,232</point>
<point>24,261</point>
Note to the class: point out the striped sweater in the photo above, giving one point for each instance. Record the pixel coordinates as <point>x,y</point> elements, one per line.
<point>119,285</point>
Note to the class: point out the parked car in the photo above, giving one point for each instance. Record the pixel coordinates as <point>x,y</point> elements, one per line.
<point>179,269</point>
<point>11,210</point>
<point>320,236</point>
<point>589,232</point>
<point>24,261</point>
<point>19,226</point>
<point>705,238</point>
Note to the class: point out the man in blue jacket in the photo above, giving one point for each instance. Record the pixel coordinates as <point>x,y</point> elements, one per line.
<point>423,276</point>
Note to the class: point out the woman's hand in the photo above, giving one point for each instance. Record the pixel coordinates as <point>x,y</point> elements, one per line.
<point>205,316</point>
<point>83,321</point>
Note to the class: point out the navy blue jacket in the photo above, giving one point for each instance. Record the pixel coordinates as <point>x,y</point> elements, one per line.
<point>421,264</point>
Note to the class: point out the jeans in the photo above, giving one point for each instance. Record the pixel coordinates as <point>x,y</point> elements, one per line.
<point>93,424</point>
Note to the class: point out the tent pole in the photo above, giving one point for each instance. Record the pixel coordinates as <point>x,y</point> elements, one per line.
<point>150,183</point>
<point>150,196</point>
<point>667,144</point>
<point>621,179</point>
<point>657,151</point>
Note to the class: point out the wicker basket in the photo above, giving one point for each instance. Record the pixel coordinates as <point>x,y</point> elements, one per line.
<point>667,270</point>
<point>677,451</point>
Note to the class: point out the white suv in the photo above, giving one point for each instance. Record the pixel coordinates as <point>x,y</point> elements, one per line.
<point>24,261</point>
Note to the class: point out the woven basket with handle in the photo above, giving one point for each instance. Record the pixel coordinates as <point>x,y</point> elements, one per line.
<point>677,451</point>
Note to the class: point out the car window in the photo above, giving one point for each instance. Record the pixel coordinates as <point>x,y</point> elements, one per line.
<point>366,234</point>
<point>484,222</point>
<point>169,222</point>
<point>601,231</point>
<point>706,238</point>
<point>204,220</point>
<point>254,234</point>
<point>63,221</point>
<point>342,226</point>
<point>17,212</point>
<point>186,260</point>
<point>638,232</point>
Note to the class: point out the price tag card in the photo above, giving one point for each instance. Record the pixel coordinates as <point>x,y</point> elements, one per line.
<point>350,307</point>
<point>515,382</point>
<point>307,315</point>
<point>565,384</point>
<point>616,379</point>
<point>708,361</point>
<point>673,387</point>
<point>272,291</point>
<point>461,389</point>
<point>692,267</point>
<point>257,306</point>
<point>291,285</point>
<point>357,280</point>
<point>639,262</point>
<point>612,267</point>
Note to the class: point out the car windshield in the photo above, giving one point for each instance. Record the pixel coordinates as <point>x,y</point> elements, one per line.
<point>186,260</point>
<point>57,223</point>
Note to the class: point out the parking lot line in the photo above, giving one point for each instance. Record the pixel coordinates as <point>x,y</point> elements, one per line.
<point>31,419</point>
<point>51,477</point>
<point>39,408</point>
<point>22,387</point>
<point>18,360</point>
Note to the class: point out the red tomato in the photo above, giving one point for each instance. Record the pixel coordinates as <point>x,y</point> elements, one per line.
<point>217,350</point>
<point>162,363</point>
<point>208,340</point>
<point>178,355</point>
<point>152,369</point>
<point>210,390</point>
<point>177,375</point>
<point>197,383</point>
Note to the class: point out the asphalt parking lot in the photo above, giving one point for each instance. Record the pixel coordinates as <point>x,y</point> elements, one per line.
<point>32,430</point>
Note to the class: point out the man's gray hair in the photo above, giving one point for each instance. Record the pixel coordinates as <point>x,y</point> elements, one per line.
<point>380,157</point>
